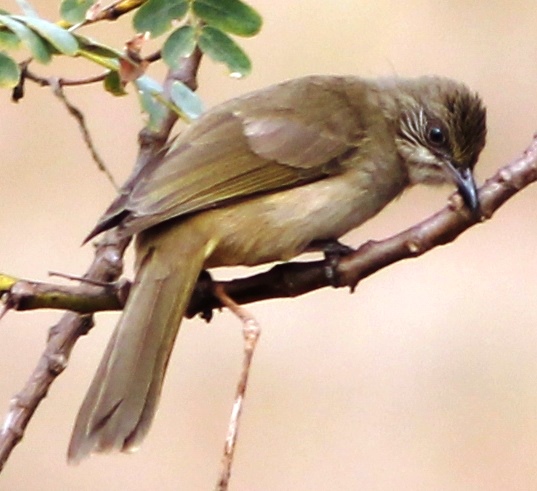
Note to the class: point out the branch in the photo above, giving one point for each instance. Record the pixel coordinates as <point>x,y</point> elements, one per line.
<point>106,267</point>
<point>62,81</point>
<point>115,10</point>
<point>297,278</point>
<point>83,299</point>
<point>294,279</point>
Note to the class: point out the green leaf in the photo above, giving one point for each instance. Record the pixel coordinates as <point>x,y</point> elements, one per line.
<point>60,38</point>
<point>27,8</point>
<point>220,47</point>
<point>97,48</point>
<point>108,63</point>
<point>8,39</point>
<point>38,47</point>
<point>113,84</point>
<point>9,71</point>
<point>180,43</point>
<point>155,16</point>
<point>99,53</point>
<point>231,16</point>
<point>74,11</point>
<point>148,91</point>
<point>186,100</point>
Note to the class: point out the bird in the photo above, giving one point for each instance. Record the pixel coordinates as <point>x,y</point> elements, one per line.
<point>260,178</point>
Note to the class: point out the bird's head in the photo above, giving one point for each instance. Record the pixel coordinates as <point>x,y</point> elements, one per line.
<point>441,132</point>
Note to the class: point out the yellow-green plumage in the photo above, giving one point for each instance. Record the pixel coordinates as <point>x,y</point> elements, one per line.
<point>258,179</point>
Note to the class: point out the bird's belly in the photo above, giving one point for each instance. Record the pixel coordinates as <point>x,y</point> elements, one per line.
<point>281,225</point>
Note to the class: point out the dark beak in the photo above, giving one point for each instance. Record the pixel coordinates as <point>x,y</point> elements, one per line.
<point>464,180</point>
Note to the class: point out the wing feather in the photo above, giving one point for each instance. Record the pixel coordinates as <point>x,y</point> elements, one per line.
<point>255,144</point>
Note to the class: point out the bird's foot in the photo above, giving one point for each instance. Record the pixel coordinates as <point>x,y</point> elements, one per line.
<point>204,293</point>
<point>333,251</point>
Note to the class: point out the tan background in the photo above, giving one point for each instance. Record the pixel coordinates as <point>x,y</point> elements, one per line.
<point>425,379</point>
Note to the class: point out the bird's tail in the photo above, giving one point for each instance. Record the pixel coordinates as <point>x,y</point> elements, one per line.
<point>123,396</point>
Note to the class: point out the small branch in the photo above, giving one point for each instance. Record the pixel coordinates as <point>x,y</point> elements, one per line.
<point>251,332</point>
<point>79,116</point>
<point>57,85</point>
<point>63,82</point>
<point>107,266</point>
<point>115,10</point>
<point>79,278</point>
<point>30,295</point>
<point>157,55</point>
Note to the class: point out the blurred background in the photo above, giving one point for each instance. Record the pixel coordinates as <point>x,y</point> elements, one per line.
<point>424,379</point>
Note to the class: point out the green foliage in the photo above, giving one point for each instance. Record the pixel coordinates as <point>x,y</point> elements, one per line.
<point>184,102</point>
<point>156,16</point>
<point>61,39</point>
<point>39,47</point>
<point>74,11</point>
<point>149,93</point>
<point>210,23</point>
<point>8,39</point>
<point>207,24</point>
<point>187,101</point>
<point>220,47</point>
<point>113,84</point>
<point>181,42</point>
<point>9,71</point>
<point>27,8</point>
<point>98,53</point>
<point>232,16</point>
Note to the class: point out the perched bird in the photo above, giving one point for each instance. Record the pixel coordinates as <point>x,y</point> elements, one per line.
<point>256,179</point>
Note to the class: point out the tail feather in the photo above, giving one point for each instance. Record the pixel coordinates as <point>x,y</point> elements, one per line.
<point>123,396</point>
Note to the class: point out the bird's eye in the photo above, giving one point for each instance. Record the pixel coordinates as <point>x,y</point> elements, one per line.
<point>436,136</point>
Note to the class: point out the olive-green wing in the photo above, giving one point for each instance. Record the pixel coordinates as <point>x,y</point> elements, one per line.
<point>252,145</point>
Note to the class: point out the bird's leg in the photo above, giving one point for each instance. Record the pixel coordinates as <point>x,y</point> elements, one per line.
<point>333,251</point>
<point>204,290</point>
<point>251,332</point>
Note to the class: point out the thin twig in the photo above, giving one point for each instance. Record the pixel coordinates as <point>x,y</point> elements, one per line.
<point>64,82</point>
<point>251,332</point>
<point>115,9</point>
<point>79,116</point>
<point>157,55</point>
<point>73,277</point>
